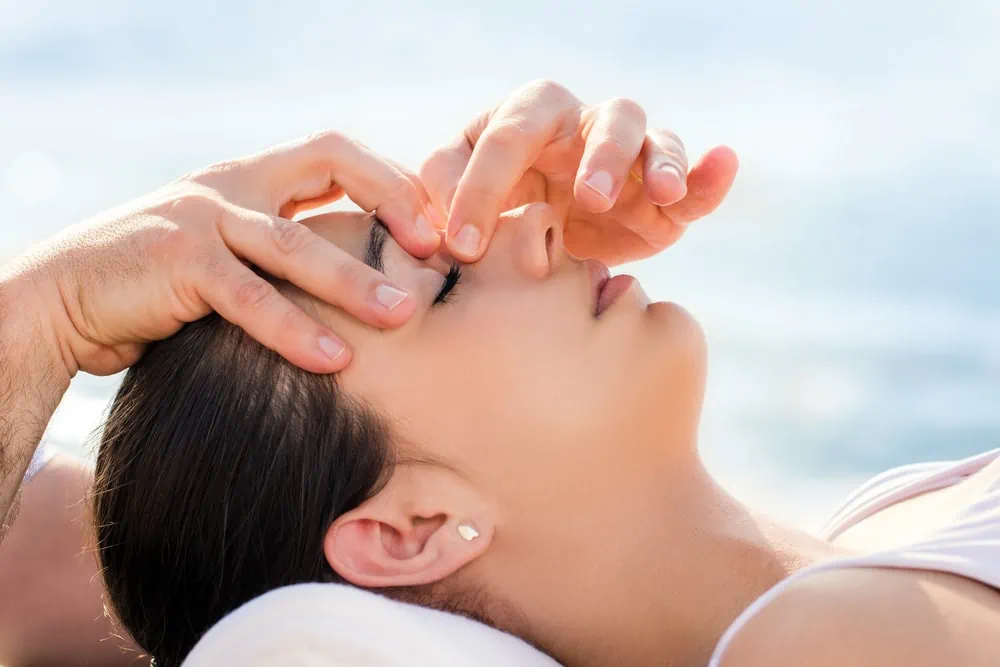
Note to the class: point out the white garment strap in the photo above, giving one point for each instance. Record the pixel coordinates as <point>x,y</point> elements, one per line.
<point>43,454</point>
<point>969,546</point>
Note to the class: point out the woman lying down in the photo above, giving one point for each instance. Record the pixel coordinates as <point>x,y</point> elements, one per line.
<point>523,452</point>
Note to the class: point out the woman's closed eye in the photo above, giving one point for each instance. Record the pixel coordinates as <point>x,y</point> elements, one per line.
<point>378,235</point>
<point>451,281</point>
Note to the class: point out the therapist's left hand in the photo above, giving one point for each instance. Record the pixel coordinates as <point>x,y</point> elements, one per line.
<point>625,190</point>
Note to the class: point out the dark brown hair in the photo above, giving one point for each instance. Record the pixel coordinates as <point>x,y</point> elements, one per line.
<point>220,469</point>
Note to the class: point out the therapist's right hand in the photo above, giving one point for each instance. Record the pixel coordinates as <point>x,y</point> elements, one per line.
<point>137,273</point>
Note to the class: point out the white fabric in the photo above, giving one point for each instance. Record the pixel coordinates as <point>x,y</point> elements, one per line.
<point>330,625</point>
<point>969,546</point>
<point>43,454</point>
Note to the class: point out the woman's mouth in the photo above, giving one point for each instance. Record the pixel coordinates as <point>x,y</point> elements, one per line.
<point>606,289</point>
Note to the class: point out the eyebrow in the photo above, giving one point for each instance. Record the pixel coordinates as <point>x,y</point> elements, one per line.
<point>377,235</point>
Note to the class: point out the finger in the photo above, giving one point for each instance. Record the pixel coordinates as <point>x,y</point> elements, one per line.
<point>437,220</point>
<point>291,251</point>
<point>613,139</point>
<point>253,304</point>
<point>507,147</point>
<point>308,169</point>
<point>443,168</point>
<point>293,208</point>
<point>664,167</point>
<point>708,184</point>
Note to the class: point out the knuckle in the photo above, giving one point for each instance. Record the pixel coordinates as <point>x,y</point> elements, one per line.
<point>211,174</point>
<point>434,166</point>
<point>613,151</point>
<point>188,206</point>
<point>187,220</point>
<point>679,159</point>
<point>292,238</point>
<point>668,137</point>
<point>549,90</point>
<point>328,141</point>
<point>254,294</point>
<point>401,189</point>
<point>506,133</point>
<point>627,108</point>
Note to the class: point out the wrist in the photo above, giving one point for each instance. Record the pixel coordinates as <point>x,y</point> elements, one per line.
<point>34,326</point>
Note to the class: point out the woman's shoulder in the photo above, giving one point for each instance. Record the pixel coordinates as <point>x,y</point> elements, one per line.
<point>873,616</point>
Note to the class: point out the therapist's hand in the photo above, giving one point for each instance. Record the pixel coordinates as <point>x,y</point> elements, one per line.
<point>626,191</point>
<point>137,273</point>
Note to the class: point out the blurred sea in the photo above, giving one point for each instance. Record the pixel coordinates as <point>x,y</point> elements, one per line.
<point>849,286</point>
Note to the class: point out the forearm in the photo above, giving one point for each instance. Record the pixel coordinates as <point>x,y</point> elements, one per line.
<point>33,379</point>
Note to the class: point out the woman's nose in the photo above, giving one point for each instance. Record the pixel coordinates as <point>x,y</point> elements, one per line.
<point>535,234</point>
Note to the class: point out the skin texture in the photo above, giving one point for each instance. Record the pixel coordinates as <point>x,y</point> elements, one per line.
<point>601,537</point>
<point>870,618</point>
<point>624,189</point>
<point>598,434</point>
<point>32,381</point>
<point>576,486</point>
<point>102,290</point>
<point>48,556</point>
<point>93,297</point>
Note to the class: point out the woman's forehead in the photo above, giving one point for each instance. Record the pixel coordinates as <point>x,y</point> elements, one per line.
<point>348,230</point>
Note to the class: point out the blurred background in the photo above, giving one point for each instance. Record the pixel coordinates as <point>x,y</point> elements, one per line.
<point>849,286</point>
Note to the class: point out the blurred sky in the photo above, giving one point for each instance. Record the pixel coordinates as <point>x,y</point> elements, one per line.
<point>848,286</point>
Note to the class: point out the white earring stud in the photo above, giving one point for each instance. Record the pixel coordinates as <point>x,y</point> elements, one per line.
<point>467,531</point>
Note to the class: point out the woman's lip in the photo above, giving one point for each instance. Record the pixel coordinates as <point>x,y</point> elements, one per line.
<point>612,289</point>
<point>599,276</point>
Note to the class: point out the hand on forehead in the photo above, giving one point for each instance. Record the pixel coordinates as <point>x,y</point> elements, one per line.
<point>351,231</point>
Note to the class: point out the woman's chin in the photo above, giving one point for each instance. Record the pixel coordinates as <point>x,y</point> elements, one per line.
<point>680,342</point>
<point>675,320</point>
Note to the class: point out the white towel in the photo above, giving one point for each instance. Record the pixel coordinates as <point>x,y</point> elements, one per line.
<point>332,625</point>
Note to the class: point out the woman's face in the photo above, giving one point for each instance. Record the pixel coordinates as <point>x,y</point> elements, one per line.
<point>512,378</point>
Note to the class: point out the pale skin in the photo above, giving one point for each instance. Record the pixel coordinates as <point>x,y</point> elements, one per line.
<point>93,297</point>
<point>596,519</point>
<point>609,558</point>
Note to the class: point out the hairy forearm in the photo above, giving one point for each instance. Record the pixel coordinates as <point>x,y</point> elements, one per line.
<point>33,380</point>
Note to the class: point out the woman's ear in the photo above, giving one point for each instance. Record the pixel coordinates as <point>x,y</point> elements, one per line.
<point>422,527</point>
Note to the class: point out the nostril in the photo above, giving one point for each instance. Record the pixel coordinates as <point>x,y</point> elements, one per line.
<point>550,238</point>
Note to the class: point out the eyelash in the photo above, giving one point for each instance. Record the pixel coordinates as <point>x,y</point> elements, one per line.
<point>451,281</point>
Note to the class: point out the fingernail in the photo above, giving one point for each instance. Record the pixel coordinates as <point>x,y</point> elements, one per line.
<point>425,229</point>
<point>331,347</point>
<point>467,240</point>
<point>389,296</point>
<point>601,183</point>
<point>671,168</point>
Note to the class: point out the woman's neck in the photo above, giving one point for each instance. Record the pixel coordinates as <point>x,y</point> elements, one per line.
<point>660,577</point>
